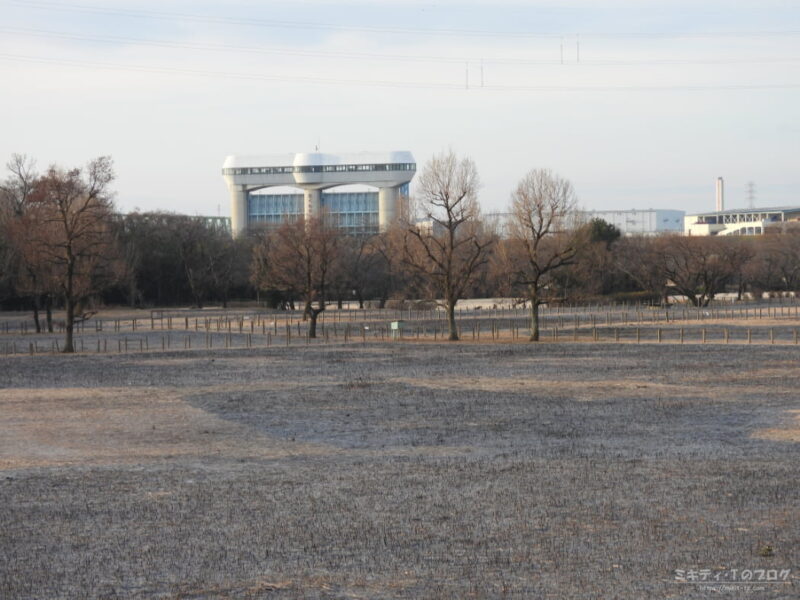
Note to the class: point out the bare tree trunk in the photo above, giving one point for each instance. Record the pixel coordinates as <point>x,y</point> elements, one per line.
<point>48,308</point>
<point>533,298</point>
<point>313,313</point>
<point>133,292</point>
<point>69,323</point>
<point>36,313</point>
<point>451,320</point>
<point>534,320</point>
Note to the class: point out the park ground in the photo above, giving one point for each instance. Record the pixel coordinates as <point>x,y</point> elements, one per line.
<point>403,470</point>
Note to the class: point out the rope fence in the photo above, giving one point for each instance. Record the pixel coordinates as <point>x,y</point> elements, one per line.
<point>478,332</point>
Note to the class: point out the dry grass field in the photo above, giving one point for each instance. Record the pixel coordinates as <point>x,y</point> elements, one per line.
<point>401,470</point>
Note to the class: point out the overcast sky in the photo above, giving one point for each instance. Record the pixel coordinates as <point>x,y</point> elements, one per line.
<point>641,104</point>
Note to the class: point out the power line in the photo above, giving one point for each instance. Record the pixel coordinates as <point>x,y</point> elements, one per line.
<point>270,23</point>
<point>22,31</point>
<point>224,47</point>
<point>388,83</point>
<point>285,24</point>
<point>645,88</point>
<point>228,74</point>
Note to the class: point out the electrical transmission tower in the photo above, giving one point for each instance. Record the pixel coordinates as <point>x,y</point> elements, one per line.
<point>751,194</point>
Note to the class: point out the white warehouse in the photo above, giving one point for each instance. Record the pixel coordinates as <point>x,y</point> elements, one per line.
<point>629,222</point>
<point>650,221</point>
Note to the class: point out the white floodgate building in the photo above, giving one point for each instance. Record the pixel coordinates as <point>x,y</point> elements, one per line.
<point>259,195</point>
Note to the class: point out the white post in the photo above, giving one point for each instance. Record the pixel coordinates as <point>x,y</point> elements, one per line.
<point>388,209</point>
<point>238,208</point>
<point>312,200</point>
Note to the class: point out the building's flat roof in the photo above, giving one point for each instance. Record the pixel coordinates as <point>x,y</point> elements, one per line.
<point>352,188</point>
<point>305,159</point>
<point>631,210</point>
<point>747,211</point>
<point>609,210</point>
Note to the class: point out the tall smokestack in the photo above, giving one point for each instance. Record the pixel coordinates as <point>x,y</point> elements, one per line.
<point>720,194</point>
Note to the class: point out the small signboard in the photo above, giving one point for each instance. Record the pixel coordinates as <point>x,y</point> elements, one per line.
<point>397,329</point>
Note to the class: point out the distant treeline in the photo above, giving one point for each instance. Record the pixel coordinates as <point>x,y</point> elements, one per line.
<point>62,246</point>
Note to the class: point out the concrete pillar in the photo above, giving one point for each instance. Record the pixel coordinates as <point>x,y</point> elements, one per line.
<point>388,206</point>
<point>312,203</point>
<point>238,208</point>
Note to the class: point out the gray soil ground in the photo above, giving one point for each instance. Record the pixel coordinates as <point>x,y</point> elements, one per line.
<point>401,470</point>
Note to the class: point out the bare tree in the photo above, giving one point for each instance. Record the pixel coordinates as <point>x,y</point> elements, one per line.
<point>543,236</point>
<point>389,247</point>
<point>701,267</point>
<point>208,256</point>
<point>34,275</point>
<point>639,257</point>
<point>7,252</point>
<point>20,208</point>
<point>280,290</point>
<point>363,268</point>
<point>786,247</point>
<point>299,258</point>
<point>69,233</point>
<point>171,259</point>
<point>776,264</point>
<point>16,190</point>
<point>449,246</point>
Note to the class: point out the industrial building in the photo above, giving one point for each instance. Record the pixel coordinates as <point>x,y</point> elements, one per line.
<point>629,222</point>
<point>258,188</point>
<point>739,221</point>
<point>165,218</point>
<point>651,221</point>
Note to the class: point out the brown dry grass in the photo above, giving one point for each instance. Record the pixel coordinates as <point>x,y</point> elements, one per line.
<point>111,426</point>
<point>420,471</point>
<point>50,427</point>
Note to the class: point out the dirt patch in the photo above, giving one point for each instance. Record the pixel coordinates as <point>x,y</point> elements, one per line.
<point>113,426</point>
<point>788,433</point>
<point>590,390</point>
